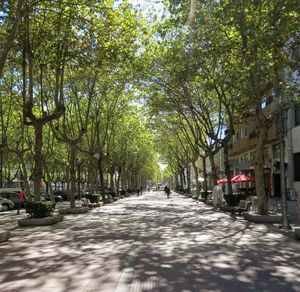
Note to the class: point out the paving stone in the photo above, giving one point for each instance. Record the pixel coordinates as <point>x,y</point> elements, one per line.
<point>148,243</point>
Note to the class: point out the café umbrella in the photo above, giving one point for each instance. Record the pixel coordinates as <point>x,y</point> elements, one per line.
<point>222,180</point>
<point>242,178</point>
<point>237,179</point>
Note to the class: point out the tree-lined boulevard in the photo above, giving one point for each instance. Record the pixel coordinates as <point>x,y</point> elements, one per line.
<point>149,243</point>
<point>95,92</point>
<point>102,100</point>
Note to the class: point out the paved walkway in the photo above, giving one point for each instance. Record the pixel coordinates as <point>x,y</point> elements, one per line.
<point>149,243</point>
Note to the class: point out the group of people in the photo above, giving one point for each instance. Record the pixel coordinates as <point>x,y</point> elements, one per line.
<point>166,190</point>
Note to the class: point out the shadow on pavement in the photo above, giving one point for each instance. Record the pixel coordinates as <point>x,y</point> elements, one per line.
<point>150,243</point>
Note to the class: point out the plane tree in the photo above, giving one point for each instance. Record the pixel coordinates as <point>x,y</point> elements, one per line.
<point>258,31</point>
<point>252,35</point>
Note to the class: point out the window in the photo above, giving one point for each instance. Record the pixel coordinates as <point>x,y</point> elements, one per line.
<point>244,132</point>
<point>236,136</point>
<point>297,166</point>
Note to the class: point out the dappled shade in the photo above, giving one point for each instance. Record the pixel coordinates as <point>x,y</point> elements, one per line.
<point>149,243</point>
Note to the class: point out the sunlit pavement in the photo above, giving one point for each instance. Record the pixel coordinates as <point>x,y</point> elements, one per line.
<point>149,243</point>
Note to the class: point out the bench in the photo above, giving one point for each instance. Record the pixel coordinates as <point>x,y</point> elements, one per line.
<point>87,203</point>
<point>243,206</point>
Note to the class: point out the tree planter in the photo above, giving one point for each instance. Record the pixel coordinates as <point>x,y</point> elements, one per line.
<point>76,210</point>
<point>256,218</point>
<point>107,201</point>
<point>4,236</point>
<point>209,202</point>
<point>40,221</point>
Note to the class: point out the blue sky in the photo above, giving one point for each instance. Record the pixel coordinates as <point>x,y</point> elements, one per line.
<point>149,6</point>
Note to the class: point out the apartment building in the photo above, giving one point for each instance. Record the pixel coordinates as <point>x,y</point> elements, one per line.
<point>242,149</point>
<point>242,145</point>
<point>293,150</point>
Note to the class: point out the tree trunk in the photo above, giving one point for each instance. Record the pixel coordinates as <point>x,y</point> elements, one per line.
<point>68,180</point>
<point>93,171</point>
<point>11,36</point>
<point>213,169</point>
<point>176,180</point>
<point>50,187</point>
<point>192,13</point>
<point>101,176</point>
<point>188,178</point>
<point>227,168</point>
<point>25,177</point>
<point>78,177</point>
<point>72,170</point>
<point>184,177</point>
<point>205,188</point>
<point>196,178</point>
<point>48,182</point>
<point>262,203</point>
<point>38,160</point>
<point>118,180</point>
<point>181,180</point>
<point>123,180</point>
<point>111,181</point>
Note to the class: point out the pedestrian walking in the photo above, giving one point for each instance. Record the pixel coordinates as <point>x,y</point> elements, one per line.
<point>22,199</point>
<point>167,191</point>
<point>141,190</point>
<point>138,191</point>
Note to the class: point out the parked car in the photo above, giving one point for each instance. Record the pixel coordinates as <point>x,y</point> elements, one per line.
<point>79,196</point>
<point>13,196</point>
<point>82,194</point>
<point>6,204</point>
<point>47,197</point>
<point>62,193</point>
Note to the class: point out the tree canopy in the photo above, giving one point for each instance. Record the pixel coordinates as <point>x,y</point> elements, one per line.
<point>102,86</point>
